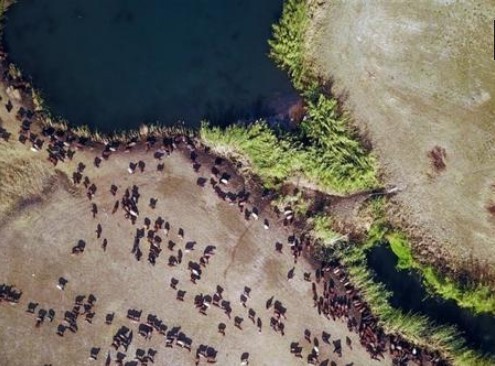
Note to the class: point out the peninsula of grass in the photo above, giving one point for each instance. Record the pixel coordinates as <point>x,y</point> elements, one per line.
<point>324,150</point>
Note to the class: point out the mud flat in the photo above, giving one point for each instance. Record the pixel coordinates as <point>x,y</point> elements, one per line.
<point>41,230</point>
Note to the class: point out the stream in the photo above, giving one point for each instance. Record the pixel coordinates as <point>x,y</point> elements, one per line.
<point>409,294</point>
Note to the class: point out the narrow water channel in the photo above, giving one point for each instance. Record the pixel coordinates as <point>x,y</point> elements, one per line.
<point>113,64</point>
<point>409,294</point>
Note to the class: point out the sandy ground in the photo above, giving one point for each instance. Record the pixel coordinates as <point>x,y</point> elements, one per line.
<point>35,250</point>
<point>416,75</point>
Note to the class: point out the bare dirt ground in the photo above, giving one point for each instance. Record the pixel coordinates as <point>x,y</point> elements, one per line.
<point>35,250</point>
<point>416,75</point>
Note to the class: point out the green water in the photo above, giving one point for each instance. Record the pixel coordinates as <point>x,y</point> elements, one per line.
<point>113,64</point>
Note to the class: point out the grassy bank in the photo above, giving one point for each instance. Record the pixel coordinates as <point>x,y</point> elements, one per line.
<point>324,150</point>
<point>479,299</point>
<point>415,328</point>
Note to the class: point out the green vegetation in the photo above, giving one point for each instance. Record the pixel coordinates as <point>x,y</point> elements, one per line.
<point>417,329</point>
<point>258,148</point>
<point>336,159</point>
<point>324,151</point>
<point>287,45</point>
<point>320,152</point>
<point>480,299</point>
<point>398,244</point>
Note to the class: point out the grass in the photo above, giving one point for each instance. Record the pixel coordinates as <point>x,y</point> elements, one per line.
<point>287,45</point>
<point>257,148</point>
<point>479,299</point>
<point>415,328</point>
<point>324,150</point>
<point>279,158</point>
<point>336,159</point>
<point>22,174</point>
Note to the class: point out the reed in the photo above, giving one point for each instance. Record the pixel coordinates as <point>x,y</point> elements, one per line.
<point>256,147</point>
<point>479,299</point>
<point>417,329</point>
<point>278,158</point>
<point>23,174</point>
<point>337,160</point>
<point>287,44</point>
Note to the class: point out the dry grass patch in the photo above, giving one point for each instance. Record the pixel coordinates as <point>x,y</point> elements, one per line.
<point>23,174</point>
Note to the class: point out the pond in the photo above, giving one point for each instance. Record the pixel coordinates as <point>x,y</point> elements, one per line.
<point>409,294</point>
<point>113,64</point>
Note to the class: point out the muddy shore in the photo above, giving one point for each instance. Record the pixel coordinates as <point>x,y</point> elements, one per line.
<point>20,95</point>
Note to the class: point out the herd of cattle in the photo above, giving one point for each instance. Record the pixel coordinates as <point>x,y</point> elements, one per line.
<point>334,296</point>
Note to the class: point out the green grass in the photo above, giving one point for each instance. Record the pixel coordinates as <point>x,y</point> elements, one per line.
<point>324,150</point>
<point>287,44</point>
<point>337,160</point>
<point>417,329</point>
<point>479,299</point>
<point>257,147</point>
<point>325,158</point>
<point>398,244</point>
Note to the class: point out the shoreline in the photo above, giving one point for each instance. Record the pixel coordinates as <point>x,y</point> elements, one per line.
<point>139,141</point>
<point>185,144</point>
<point>428,244</point>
